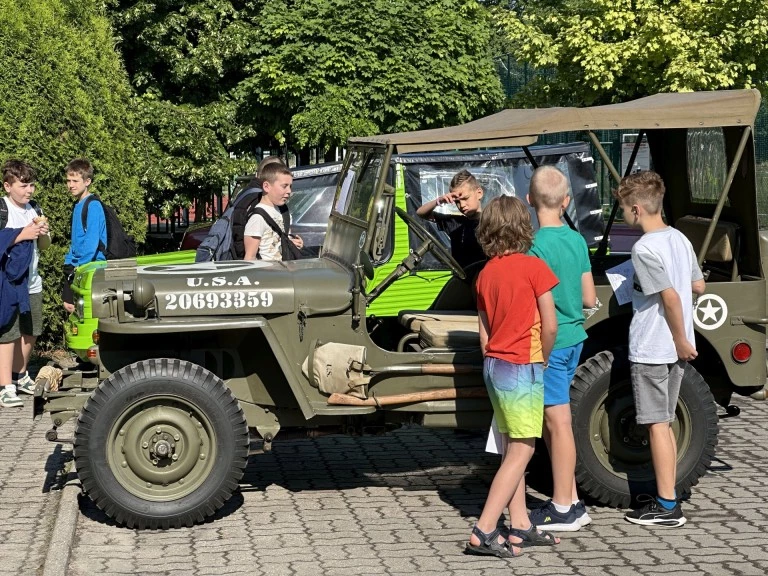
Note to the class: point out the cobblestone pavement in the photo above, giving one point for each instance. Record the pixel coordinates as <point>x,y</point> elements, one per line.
<point>30,483</point>
<point>405,503</point>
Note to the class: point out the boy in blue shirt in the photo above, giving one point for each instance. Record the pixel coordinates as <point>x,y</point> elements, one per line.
<point>566,253</point>
<point>86,242</point>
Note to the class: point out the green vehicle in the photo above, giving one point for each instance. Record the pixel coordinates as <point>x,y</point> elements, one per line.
<point>417,178</point>
<point>196,361</point>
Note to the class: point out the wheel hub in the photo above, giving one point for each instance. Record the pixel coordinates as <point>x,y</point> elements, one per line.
<point>162,449</point>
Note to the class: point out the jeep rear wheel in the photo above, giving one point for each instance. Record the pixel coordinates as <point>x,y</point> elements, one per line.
<point>613,457</point>
<point>161,443</point>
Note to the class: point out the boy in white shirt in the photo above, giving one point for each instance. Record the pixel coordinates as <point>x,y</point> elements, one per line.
<point>17,337</point>
<point>267,240</point>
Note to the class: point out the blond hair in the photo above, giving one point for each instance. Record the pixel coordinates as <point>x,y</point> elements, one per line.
<point>463,177</point>
<point>645,188</point>
<point>548,187</point>
<point>505,227</point>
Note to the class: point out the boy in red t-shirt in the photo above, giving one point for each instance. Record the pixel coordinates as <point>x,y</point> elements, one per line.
<point>518,326</point>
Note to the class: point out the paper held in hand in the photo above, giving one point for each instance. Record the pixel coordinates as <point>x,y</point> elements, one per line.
<point>495,443</point>
<point>621,278</point>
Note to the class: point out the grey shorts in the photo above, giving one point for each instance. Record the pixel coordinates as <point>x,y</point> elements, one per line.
<point>656,388</point>
<point>29,324</point>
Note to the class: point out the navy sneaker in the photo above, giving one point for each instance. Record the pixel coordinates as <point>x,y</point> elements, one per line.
<point>581,513</point>
<point>654,514</point>
<point>548,518</point>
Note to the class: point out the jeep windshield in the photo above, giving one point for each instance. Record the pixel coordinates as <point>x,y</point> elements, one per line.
<point>355,195</point>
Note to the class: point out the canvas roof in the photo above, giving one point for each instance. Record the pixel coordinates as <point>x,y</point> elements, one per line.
<point>521,127</point>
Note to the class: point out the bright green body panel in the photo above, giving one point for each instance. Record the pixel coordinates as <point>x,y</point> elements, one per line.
<point>78,329</point>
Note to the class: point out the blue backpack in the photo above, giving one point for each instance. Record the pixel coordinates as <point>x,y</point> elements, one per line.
<point>225,241</point>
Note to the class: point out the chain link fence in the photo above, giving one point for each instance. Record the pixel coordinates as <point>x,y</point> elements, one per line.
<point>514,76</point>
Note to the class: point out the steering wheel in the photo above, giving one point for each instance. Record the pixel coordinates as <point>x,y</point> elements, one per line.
<point>435,246</point>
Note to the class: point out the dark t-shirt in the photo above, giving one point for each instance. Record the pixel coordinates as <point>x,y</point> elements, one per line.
<point>461,230</point>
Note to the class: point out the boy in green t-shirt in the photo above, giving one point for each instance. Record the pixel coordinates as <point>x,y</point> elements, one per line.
<point>566,253</point>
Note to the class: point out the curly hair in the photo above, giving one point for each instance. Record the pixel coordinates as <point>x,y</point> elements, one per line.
<point>14,170</point>
<point>505,227</point>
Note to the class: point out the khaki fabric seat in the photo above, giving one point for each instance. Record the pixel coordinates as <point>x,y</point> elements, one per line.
<point>413,319</point>
<point>724,246</point>
<point>450,334</point>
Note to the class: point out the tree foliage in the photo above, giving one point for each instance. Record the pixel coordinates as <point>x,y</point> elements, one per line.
<point>615,50</point>
<point>65,94</point>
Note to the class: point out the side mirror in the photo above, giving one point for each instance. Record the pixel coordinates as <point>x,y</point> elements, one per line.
<point>365,262</point>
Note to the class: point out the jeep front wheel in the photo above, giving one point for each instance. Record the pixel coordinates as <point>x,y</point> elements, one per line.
<point>161,443</point>
<point>613,457</point>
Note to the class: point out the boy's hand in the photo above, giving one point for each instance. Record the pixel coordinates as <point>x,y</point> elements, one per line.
<point>449,198</point>
<point>685,350</point>
<point>69,307</point>
<point>297,240</point>
<point>32,231</point>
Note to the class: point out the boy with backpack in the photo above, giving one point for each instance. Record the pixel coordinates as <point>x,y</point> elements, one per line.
<point>97,233</point>
<point>23,231</point>
<point>266,232</point>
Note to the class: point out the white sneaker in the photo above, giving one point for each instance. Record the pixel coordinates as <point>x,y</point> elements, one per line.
<point>9,399</point>
<point>25,384</point>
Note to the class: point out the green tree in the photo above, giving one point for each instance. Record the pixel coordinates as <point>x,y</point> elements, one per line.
<point>65,94</point>
<point>325,70</point>
<point>615,50</point>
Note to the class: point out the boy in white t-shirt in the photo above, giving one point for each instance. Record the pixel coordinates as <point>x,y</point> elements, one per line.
<point>261,240</point>
<point>661,335</point>
<point>17,337</point>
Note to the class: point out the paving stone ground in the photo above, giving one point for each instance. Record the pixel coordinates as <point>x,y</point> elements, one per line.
<point>31,473</point>
<point>397,504</point>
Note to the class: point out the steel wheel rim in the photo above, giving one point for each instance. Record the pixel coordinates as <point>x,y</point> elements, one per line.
<point>161,448</point>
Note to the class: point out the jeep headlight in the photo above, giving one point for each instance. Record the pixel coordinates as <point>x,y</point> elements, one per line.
<point>80,308</point>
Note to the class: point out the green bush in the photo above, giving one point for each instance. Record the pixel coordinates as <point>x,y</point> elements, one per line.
<point>65,94</point>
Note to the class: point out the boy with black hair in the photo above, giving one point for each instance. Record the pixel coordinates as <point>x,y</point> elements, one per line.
<point>21,287</point>
<point>86,241</point>
<point>661,335</point>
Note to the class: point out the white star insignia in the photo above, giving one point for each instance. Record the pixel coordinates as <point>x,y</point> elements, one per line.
<point>709,311</point>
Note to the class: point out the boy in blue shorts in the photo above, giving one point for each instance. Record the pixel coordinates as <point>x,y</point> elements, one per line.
<point>661,336</point>
<point>517,324</point>
<point>566,253</point>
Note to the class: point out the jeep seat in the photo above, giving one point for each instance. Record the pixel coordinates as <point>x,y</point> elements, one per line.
<point>450,334</point>
<point>413,319</point>
<point>724,246</point>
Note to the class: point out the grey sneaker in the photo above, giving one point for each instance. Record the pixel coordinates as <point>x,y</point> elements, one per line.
<point>548,518</point>
<point>25,385</point>
<point>9,399</point>
<point>581,513</point>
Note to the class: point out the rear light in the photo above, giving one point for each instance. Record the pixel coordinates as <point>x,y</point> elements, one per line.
<point>95,336</point>
<point>92,352</point>
<point>741,352</point>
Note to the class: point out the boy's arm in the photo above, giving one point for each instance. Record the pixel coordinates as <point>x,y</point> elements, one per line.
<point>698,287</point>
<point>425,210</point>
<point>546,304</point>
<point>482,319</point>
<point>251,244</point>
<point>94,226</point>
<point>588,292</point>
<point>673,312</point>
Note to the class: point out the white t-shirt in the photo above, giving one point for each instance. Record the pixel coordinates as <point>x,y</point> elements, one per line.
<point>662,259</point>
<point>19,218</point>
<point>269,247</point>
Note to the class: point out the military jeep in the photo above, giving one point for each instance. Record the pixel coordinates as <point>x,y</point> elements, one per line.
<point>197,361</point>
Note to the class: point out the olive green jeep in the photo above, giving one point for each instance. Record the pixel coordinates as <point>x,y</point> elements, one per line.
<point>195,362</point>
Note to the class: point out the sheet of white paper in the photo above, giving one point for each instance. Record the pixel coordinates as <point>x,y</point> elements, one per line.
<point>495,443</point>
<point>621,279</point>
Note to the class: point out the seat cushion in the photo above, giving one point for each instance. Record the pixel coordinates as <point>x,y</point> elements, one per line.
<point>450,334</point>
<point>721,247</point>
<point>412,319</point>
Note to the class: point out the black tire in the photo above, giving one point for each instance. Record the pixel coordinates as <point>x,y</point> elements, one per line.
<point>613,462</point>
<point>161,444</point>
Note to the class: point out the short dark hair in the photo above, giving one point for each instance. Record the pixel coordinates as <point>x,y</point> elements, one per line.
<point>18,170</point>
<point>81,166</point>
<point>463,177</point>
<point>505,227</point>
<point>272,170</point>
